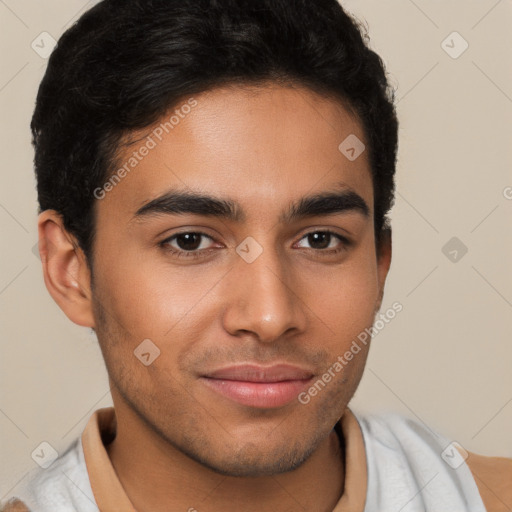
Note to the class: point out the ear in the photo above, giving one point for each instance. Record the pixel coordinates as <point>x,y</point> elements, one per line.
<point>384,250</point>
<point>66,273</point>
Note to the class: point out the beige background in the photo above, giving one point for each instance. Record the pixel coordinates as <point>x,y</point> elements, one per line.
<point>445,359</point>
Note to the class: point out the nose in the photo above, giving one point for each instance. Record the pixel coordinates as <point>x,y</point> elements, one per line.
<point>264,299</point>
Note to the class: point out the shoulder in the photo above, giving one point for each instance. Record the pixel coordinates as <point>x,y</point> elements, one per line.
<point>399,448</point>
<point>14,505</point>
<point>62,487</point>
<point>493,477</point>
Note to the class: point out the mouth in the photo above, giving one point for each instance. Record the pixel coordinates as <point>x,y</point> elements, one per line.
<point>259,386</point>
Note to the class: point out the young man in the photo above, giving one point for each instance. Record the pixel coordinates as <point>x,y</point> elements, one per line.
<point>214,178</point>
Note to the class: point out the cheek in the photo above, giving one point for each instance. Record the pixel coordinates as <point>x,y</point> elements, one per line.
<point>344,297</point>
<point>351,303</point>
<point>151,299</point>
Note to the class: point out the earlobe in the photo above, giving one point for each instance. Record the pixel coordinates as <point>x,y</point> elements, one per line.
<point>65,269</point>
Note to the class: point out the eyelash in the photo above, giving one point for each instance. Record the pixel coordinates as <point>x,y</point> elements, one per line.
<point>164,244</point>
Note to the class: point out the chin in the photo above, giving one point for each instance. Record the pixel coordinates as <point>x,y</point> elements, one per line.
<point>251,460</point>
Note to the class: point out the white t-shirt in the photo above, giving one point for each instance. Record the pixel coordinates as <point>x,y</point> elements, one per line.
<point>63,487</point>
<point>406,471</point>
<point>393,464</point>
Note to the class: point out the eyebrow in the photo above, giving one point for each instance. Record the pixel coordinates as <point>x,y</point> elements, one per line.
<point>176,202</point>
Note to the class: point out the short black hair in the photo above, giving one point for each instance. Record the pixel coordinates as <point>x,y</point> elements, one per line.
<point>126,63</point>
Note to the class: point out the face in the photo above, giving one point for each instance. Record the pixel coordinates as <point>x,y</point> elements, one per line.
<point>259,279</point>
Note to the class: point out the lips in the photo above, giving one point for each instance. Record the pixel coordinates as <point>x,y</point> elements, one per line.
<point>259,386</point>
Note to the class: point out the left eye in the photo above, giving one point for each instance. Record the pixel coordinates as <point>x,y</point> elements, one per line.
<point>324,239</point>
<point>187,242</point>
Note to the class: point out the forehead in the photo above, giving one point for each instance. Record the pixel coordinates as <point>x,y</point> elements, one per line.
<point>268,143</point>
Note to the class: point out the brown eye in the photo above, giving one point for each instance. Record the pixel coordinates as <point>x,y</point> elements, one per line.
<point>188,241</point>
<point>322,240</point>
<point>187,244</point>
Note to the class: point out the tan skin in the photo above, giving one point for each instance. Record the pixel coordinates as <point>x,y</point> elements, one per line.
<point>179,444</point>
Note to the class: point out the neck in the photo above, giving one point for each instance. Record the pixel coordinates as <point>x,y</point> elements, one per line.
<point>157,477</point>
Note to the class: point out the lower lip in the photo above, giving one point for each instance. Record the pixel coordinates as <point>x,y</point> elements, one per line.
<point>264,395</point>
